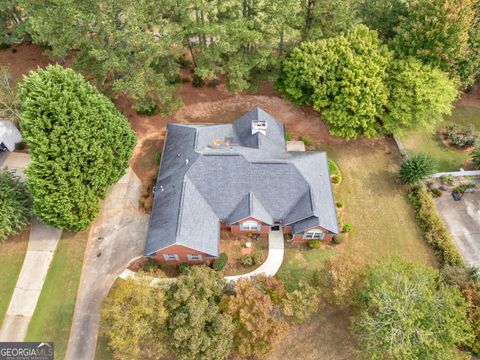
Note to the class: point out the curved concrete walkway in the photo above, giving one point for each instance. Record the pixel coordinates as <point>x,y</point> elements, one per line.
<point>269,267</point>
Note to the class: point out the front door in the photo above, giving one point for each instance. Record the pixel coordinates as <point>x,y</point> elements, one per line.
<point>276,228</point>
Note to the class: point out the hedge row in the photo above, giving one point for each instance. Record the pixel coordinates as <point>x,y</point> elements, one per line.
<point>433,228</point>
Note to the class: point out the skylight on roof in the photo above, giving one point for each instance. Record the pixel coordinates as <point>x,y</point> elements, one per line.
<point>259,126</point>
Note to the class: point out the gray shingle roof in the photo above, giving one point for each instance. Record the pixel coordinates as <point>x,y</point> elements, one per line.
<point>201,184</point>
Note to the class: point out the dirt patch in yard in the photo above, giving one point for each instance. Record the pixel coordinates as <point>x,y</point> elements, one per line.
<point>471,99</point>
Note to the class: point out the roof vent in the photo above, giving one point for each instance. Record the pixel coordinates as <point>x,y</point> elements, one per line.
<point>186,162</point>
<point>259,126</point>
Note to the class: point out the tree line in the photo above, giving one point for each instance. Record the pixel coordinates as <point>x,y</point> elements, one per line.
<point>138,48</point>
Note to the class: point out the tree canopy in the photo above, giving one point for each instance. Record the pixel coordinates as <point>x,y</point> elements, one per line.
<point>79,145</point>
<point>419,96</point>
<point>344,77</point>
<point>406,312</point>
<point>134,318</point>
<point>257,329</point>
<point>196,326</point>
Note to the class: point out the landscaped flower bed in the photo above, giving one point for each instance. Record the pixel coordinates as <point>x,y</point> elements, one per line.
<point>459,137</point>
<point>243,259</point>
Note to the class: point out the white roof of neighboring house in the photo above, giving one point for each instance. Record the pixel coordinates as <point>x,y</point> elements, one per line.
<point>9,134</point>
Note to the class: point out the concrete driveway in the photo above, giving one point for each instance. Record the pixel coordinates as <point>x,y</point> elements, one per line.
<point>16,162</point>
<point>117,236</point>
<point>463,220</point>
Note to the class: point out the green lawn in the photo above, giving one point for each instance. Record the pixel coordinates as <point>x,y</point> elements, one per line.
<point>53,315</point>
<point>375,205</point>
<point>12,253</point>
<point>447,159</point>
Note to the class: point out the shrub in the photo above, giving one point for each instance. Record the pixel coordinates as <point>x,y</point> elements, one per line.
<point>247,260</point>
<point>476,154</point>
<point>314,244</point>
<point>84,143</point>
<point>158,158</point>
<point>338,239</point>
<point>288,136</point>
<point>20,145</point>
<point>346,228</point>
<point>213,83</point>
<point>339,204</point>
<point>446,180</point>
<point>145,107</point>
<point>307,140</point>
<point>14,204</point>
<point>220,263</point>
<point>433,228</point>
<point>332,167</point>
<point>183,268</point>
<point>150,265</point>
<point>436,192</point>
<point>197,81</point>
<point>460,136</point>
<point>258,258</point>
<point>335,179</point>
<point>462,188</point>
<point>416,168</point>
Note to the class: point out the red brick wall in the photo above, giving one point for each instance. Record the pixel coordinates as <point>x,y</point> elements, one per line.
<point>287,229</point>
<point>298,238</point>
<point>182,253</point>
<point>236,228</point>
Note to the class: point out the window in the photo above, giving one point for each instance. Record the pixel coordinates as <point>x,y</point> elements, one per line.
<point>170,257</point>
<point>250,225</point>
<point>314,234</point>
<point>194,257</point>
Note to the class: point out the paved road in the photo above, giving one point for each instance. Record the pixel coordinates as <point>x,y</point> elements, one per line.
<point>117,235</point>
<point>41,247</point>
<point>463,220</point>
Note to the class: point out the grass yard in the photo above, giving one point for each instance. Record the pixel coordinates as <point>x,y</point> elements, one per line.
<point>53,315</point>
<point>448,159</point>
<point>12,253</point>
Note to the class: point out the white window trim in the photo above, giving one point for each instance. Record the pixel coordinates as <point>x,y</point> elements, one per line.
<point>194,257</point>
<point>314,234</point>
<point>250,225</point>
<point>170,257</point>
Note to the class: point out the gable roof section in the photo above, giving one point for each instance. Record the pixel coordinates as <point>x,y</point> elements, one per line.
<point>249,206</point>
<point>275,131</point>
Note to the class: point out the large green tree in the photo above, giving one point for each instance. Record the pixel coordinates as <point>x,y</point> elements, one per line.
<point>326,18</point>
<point>406,312</point>
<point>344,78</point>
<point>419,96</point>
<point>78,142</point>
<point>124,46</point>
<point>133,320</point>
<point>196,326</point>
<point>382,15</point>
<point>437,32</point>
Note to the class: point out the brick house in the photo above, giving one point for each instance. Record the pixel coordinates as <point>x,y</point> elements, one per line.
<point>240,177</point>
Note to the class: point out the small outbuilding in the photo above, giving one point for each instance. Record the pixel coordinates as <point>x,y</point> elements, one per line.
<point>9,136</point>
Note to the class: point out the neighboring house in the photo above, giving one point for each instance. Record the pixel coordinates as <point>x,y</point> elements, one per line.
<point>9,136</point>
<point>240,177</point>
